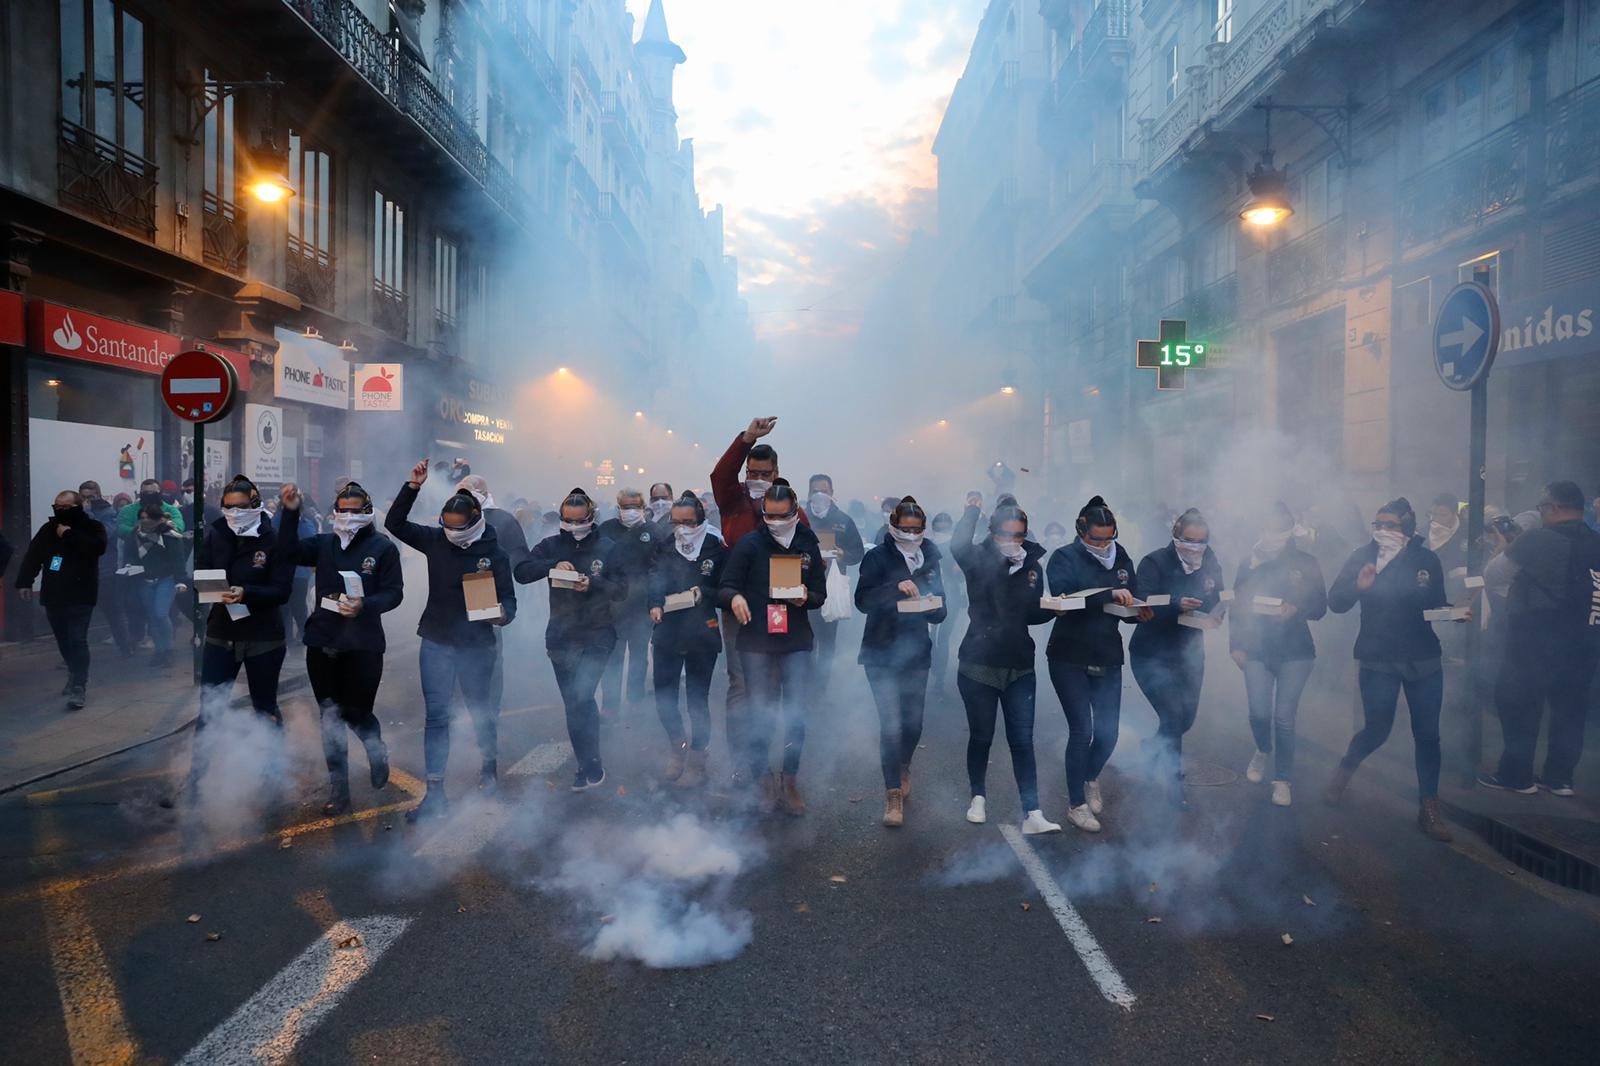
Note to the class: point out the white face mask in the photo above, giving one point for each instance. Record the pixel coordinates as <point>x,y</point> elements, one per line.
<point>244,521</point>
<point>907,541</point>
<point>466,535</point>
<point>687,539</point>
<point>821,503</point>
<point>630,516</point>
<point>1390,542</point>
<point>1013,553</point>
<point>757,488</point>
<point>782,529</point>
<point>1106,557</point>
<point>579,530</point>
<point>660,508</point>
<point>188,498</point>
<point>1439,533</point>
<point>348,523</point>
<point>941,537</point>
<point>1273,542</point>
<point>1191,553</point>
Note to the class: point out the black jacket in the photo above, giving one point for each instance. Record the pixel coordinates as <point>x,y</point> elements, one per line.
<point>70,562</point>
<point>1089,637</point>
<point>891,638</point>
<point>1162,572</point>
<point>845,535</point>
<point>106,515</point>
<point>162,555</point>
<point>746,574</point>
<point>444,616</point>
<point>1554,598</point>
<point>1392,628</point>
<point>1000,605</point>
<point>1295,578</point>
<point>373,556</point>
<point>694,629</point>
<point>262,565</point>
<point>578,619</point>
<point>631,553</point>
<point>513,541</point>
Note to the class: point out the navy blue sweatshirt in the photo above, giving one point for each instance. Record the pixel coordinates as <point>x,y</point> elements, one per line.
<point>1161,572</point>
<point>262,565</point>
<point>578,619</point>
<point>747,573</point>
<point>373,556</point>
<point>444,616</point>
<point>1089,637</point>
<point>70,563</point>
<point>693,630</point>
<point>890,638</point>
<point>845,535</point>
<point>1001,605</point>
<point>632,551</point>
<point>1392,627</point>
<point>1293,577</point>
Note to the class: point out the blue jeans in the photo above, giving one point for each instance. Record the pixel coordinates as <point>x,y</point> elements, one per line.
<point>444,666</point>
<point>578,671</point>
<point>1016,702</point>
<point>1380,696</point>
<point>155,600</point>
<point>901,694</point>
<point>776,685</point>
<point>1093,706</point>
<point>1273,690</point>
<point>696,669</point>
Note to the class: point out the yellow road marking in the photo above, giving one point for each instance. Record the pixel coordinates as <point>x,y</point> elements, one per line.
<point>406,783</point>
<point>38,799</point>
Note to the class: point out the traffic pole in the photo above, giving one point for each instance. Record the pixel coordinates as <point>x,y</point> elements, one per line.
<point>199,520</point>
<point>1477,460</point>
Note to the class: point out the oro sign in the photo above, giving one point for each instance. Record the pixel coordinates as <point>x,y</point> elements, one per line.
<point>199,386</point>
<point>380,386</point>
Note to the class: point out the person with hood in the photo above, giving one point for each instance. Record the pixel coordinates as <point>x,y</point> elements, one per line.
<point>508,531</point>
<point>1395,577</point>
<point>826,517</point>
<point>686,640</point>
<point>634,539</point>
<point>345,645</point>
<point>65,555</point>
<point>163,553</point>
<point>581,634</point>
<point>776,639</point>
<point>149,493</point>
<point>456,651</point>
<point>995,671</point>
<point>896,649</point>
<point>109,600</point>
<point>1168,657</point>
<point>1278,590</point>
<point>1085,653</point>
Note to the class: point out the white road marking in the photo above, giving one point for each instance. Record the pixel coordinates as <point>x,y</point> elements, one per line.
<point>1095,960</point>
<point>470,831</point>
<point>550,755</point>
<point>266,1030</point>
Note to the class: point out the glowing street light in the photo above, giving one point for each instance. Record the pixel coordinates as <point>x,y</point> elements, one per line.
<point>1008,390</point>
<point>1269,195</point>
<point>638,414</point>
<point>269,188</point>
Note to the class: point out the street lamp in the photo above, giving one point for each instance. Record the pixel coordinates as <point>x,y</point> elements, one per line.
<point>1269,194</point>
<point>1008,390</point>
<point>270,188</point>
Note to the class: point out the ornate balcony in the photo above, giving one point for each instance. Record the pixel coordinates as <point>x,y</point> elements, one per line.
<point>1106,32</point>
<point>225,239</point>
<point>528,42</point>
<point>1573,145</point>
<point>621,229</point>
<point>106,181</point>
<point>585,187</point>
<point>1467,189</point>
<point>1210,311</point>
<point>1307,264</point>
<point>310,274</point>
<point>621,133</point>
<point>391,310</point>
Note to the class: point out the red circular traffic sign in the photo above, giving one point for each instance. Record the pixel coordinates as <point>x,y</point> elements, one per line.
<point>199,386</point>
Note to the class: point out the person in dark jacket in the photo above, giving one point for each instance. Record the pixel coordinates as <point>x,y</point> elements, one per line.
<point>660,514</point>
<point>686,640</point>
<point>109,601</point>
<point>581,634</point>
<point>1168,657</point>
<point>1278,590</point>
<point>847,551</point>
<point>163,554</point>
<point>456,650</point>
<point>1395,577</point>
<point>1085,653</point>
<point>941,532</point>
<point>514,542</point>
<point>634,539</point>
<point>66,552</point>
<point>149,492</point>
<point>776,639</point>
<point>995,671</point>
<point>345,645</point>
<point>6,552</point>
<point>896,648</point>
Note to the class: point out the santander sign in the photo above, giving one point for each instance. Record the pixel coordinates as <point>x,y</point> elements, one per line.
<point>73,334</point>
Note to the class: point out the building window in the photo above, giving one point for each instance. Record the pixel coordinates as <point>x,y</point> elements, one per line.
<point>445,294</point>
<point>1484,269</point>
<point>1171,72</point>
<point>1588,40</point>
<point>102,71</point>
<point>1413,305</point>
<point>388,245</point>
<point>311,212</point>
<point>1318,196</point>
<point>1468,105</point>
<point>1222,31</point>
<point>218,130</point>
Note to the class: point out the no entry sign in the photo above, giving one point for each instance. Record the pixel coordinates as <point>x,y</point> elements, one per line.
<point>199,386</point>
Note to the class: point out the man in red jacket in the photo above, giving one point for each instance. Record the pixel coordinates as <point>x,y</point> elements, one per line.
<point>740,505</point>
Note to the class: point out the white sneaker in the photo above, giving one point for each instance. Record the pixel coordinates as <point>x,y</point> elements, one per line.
<point>1091,792</point>
<point>1083,818</point>
<point>1280,794</point>
<point>1036,823</point>
<point>1257,769</point>
<point>977,812</point>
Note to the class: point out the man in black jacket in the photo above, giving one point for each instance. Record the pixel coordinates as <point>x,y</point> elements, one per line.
<point>67,550</point>
<point>515,544</point>
<point>633,539</point>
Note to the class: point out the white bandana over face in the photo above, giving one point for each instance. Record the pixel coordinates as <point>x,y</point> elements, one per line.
<point>782,529</point>
<point>1270,546</point>
<point>910,545</point>
<point>1390,542</point>
<point>1191,553</point>
<point>660,508</point>
<point>466,536</point>
<point>1014,554</point>
<point>630,516</point>
<point>821,503</point>
<point>688,540</point>
<point>757,488</point>
<point>244,521</point>
<point>346,524</point>
<point>1106,557</point>
<point>1439,534</point>
<point>579,530</point>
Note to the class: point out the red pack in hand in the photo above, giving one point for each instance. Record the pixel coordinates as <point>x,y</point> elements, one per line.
<point>777,618</point>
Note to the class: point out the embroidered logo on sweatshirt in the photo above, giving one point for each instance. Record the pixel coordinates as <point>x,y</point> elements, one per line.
<point>1424,579</point>
<point>596,566</point>
<point>258,560</point>
<point>707,565</point>
<point>1122,576</point>
<point>368,565</point>
<point>483,564</point>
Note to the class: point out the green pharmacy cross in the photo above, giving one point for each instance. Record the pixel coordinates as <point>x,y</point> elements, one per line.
<point>1172,355</point>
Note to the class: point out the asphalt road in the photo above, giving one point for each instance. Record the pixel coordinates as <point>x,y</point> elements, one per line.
<point>827,938</point>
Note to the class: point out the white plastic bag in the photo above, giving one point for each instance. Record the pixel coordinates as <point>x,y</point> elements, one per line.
<point>837,607</point>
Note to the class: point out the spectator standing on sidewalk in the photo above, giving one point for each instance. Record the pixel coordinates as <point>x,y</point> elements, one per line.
<point>164,554</point>
<point>67,550</point>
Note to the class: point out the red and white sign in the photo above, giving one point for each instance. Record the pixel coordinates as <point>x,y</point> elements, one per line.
<point>380,386</point>
<point>240,361</point>
<point>74,334</point>
<point>198,386</point>
<point>11,318</point>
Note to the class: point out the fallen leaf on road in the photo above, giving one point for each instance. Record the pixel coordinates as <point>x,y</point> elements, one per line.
<point>286,842</point>
<point>1264,1018</point>
<point>212,938</point>
<point>461,910</point>
<point>1287,940</point>
<point>549,785</point>
<point>1027,906</point>
<point>622,790</point>
<point>801,908</point>
<point>857,797</point>
<point>349,943</point>
<point>1309,902</point>
<point>1152,921</point>
<point>192,919</point>
<point>838,879</point>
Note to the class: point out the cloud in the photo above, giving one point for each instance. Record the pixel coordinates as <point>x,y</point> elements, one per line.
<point>749,120</point>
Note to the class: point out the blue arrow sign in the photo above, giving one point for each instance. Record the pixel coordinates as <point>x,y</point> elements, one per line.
<point>1466,335</point>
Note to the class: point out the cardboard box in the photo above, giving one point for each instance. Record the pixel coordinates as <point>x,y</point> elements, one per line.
<point>920,605</point>
<point>1445,614</point>
<point>209,585</point>
<point>328,603</point>
<point>237,611</point>
<point>1163,600</point>
<point>352,584</point>
<point>1271,606</point>
<point>785,577</point>
<point>1475,582</point>
<point>1061,603</point>
<point>565,579</point>
<point>1123,612</point>
<point>483,600</point>
<point>681,601</point>
<point>1226,595</point>
<point>829,542</point>
<point>1200,620</point>
<point>131,570</point>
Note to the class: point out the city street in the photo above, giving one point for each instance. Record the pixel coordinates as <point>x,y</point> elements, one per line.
<point>1158,941</point>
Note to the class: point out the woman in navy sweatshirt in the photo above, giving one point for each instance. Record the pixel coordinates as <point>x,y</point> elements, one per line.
<point>1085,653</point>
<point>1395,577</point>
<point>1168,657</point>
<point>687,640</point>
<point>896,648</point>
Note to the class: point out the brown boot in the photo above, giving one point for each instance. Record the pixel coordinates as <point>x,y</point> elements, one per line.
<point>905,782</point>
<point>675,763</point>
<point>1431,822</point>
<point>769,793</point>
<point>694,770</point>
<point>793,803</point>
<point>894,808</point>
<point>1333,795</point>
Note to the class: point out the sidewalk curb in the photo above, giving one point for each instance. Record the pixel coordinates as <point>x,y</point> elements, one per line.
<point>288,684</point>
<point>1534,854</point>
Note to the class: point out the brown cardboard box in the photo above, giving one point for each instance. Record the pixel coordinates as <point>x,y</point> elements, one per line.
<point>785,577</point>
<point>483,601</point>
<point>826,538</point>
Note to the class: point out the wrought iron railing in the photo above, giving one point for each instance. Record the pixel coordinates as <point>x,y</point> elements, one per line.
<point>391,309</point>
<point>1307,264</point>
<point>1110,21</point>
<point>310,274</point>
<point>1210,311</point>
<point>584,65</point>
<point>1466,189</point>
<point>619,126</point>
<point>446,332</point>
<point>1573,145</point>
<point>530,44</point>
<point>587,190</point>
<point>224,236</point>
<point>611,211</point>
<point>105,180</point>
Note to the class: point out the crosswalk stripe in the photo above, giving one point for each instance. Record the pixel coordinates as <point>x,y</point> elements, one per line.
<point>267,1029</point>
<point>473,828</point>
<point>1095,960</point>
<point>551,755</point>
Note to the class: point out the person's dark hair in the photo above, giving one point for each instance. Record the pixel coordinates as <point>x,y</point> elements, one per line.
<point>1095,513</point>
<point>240,483</point>
<point>662,485</point>
<point>1506,526</point>
<point>1565,495</point>
<point>1191,517</point>
<point>907,508</point>
<point>1279,512</point>
<point>1400,507</point>
<point>1002,515</point>
<point>689,499</point>
<point>578,498</point>
<point>781,492</point>
<point>463,502</point>
<point>783,481</point>
<point>890,502</point>
<point>812,484</point>
<point>352,491</point>
<point>86,485</point>
<point>1447,499</point>
<point>942,516</point>
<point>1006,499</point>
<point>763,453</point>
<point>152,510</point>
